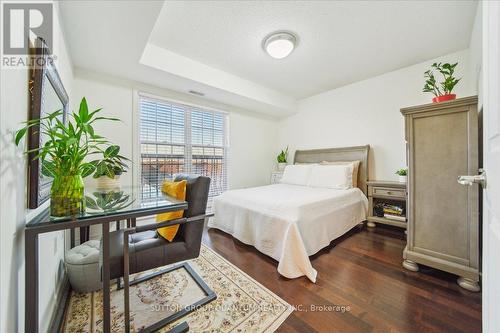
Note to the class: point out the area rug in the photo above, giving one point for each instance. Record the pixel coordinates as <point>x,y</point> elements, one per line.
<point>242,304</point>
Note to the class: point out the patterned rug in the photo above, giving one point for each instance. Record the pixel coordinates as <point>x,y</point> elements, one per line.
<point>242,304</point>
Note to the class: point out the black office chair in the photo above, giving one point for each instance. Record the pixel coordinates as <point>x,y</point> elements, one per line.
<point>140,248</point>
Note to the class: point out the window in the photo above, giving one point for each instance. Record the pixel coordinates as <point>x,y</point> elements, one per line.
<point>178,138</point>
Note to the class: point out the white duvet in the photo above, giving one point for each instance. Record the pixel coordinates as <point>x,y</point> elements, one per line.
<point>289,222</point>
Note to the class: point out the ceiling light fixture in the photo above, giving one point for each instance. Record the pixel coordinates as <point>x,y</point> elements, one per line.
<point>279,44</point>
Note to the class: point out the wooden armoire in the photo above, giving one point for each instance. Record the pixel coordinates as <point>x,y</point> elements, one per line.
<point>443,215</point>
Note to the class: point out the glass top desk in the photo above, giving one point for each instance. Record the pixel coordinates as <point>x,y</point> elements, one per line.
<point>101,209</point>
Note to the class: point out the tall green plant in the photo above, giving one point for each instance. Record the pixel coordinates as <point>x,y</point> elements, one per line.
<point>442,88</point>
<point>67,145</point>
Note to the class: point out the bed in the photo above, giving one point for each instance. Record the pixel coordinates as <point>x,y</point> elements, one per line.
<point>289,223</point>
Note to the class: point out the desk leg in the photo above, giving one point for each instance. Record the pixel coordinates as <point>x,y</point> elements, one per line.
<point>31,281</point>
<point>84,234</point>
<point>106,304</point>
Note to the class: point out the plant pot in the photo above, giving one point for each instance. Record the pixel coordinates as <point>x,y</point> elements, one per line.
<point>444,98</point>
<point>281,166</point>
<point>104,183</point>
<point>402,179</point>
<point>67,196</point>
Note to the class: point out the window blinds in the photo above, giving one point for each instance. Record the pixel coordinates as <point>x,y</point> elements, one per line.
<point>177,138</point>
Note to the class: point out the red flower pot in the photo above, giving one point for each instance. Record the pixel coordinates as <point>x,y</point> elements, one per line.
<point>444,98</point>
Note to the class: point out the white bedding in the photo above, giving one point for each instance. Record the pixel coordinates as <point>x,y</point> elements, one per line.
<point>289,222</point>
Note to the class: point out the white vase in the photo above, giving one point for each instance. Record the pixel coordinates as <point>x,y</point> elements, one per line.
<point>281,166</point>
<point>104,183</point>
<point>402,179</point>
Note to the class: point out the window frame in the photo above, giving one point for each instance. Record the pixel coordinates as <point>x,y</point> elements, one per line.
<point>136,146</point>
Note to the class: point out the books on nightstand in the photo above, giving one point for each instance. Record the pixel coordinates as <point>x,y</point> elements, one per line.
<point>400,218</point>
<point>394,212</point>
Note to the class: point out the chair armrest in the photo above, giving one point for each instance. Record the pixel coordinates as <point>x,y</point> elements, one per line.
<point>154,226</point>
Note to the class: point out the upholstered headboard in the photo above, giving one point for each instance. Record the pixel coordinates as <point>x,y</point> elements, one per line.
<point>358,153</point>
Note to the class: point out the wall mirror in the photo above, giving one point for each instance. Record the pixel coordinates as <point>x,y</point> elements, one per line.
<point>47,95</point>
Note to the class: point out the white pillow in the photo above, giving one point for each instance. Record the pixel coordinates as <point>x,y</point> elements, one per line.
<point>336,176</point>
<point>355,169</point>
<point>297,174</point>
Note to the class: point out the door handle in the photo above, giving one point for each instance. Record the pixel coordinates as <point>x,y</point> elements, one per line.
<point>470,180</point>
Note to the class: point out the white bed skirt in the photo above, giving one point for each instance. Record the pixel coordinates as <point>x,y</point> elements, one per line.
<point>289,223</point>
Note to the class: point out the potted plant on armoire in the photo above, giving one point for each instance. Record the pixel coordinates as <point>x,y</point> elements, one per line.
<point>442,91</point>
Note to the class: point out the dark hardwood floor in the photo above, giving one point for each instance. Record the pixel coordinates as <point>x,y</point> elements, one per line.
<point>361,270</point>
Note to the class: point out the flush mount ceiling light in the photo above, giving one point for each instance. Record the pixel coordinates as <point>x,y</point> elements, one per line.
<point>279,44</point>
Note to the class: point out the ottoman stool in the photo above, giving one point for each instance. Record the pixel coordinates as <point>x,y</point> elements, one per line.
<point>82,265</point>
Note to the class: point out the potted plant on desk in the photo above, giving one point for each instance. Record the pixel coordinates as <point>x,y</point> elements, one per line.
<point>109,169</point>
<point>64,155</point>
<point>441,91</point>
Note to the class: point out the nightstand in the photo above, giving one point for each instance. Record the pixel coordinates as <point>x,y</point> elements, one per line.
<point>276,177</point>
<point>386,192</point>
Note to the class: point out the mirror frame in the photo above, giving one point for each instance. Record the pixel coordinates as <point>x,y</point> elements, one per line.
<point>43,72</point>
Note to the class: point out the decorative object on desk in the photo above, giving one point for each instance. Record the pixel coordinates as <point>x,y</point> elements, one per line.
<point>63,155</point>
<point>402,173</point>
<point>250,306</point>
<point>109,169</point>
<point>442,90</point>
<point>108,201</point>
<point>282,159</point>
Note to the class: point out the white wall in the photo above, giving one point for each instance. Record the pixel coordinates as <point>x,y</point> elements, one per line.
<point>476,55</point>
<point>13,212</point>
<point>251,137</point>
<point>367,112</point>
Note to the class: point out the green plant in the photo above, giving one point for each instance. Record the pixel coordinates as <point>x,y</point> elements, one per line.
<point>282,156</point>
<point>67,145</point>
<point>442,88</point>
<point>64,155</point>
<point>112,163</point>
<point>402,172</point>
<point>108,201</point>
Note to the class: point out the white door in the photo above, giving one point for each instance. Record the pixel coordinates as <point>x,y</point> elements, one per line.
<point>491,146</point>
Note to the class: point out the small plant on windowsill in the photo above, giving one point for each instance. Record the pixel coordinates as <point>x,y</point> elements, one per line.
<point>403,174</point>
<point>442,90</point>
<point>109,169</point>
<point>282,159</point>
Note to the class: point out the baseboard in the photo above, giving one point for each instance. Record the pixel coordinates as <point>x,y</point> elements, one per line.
<point>57,321</point>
